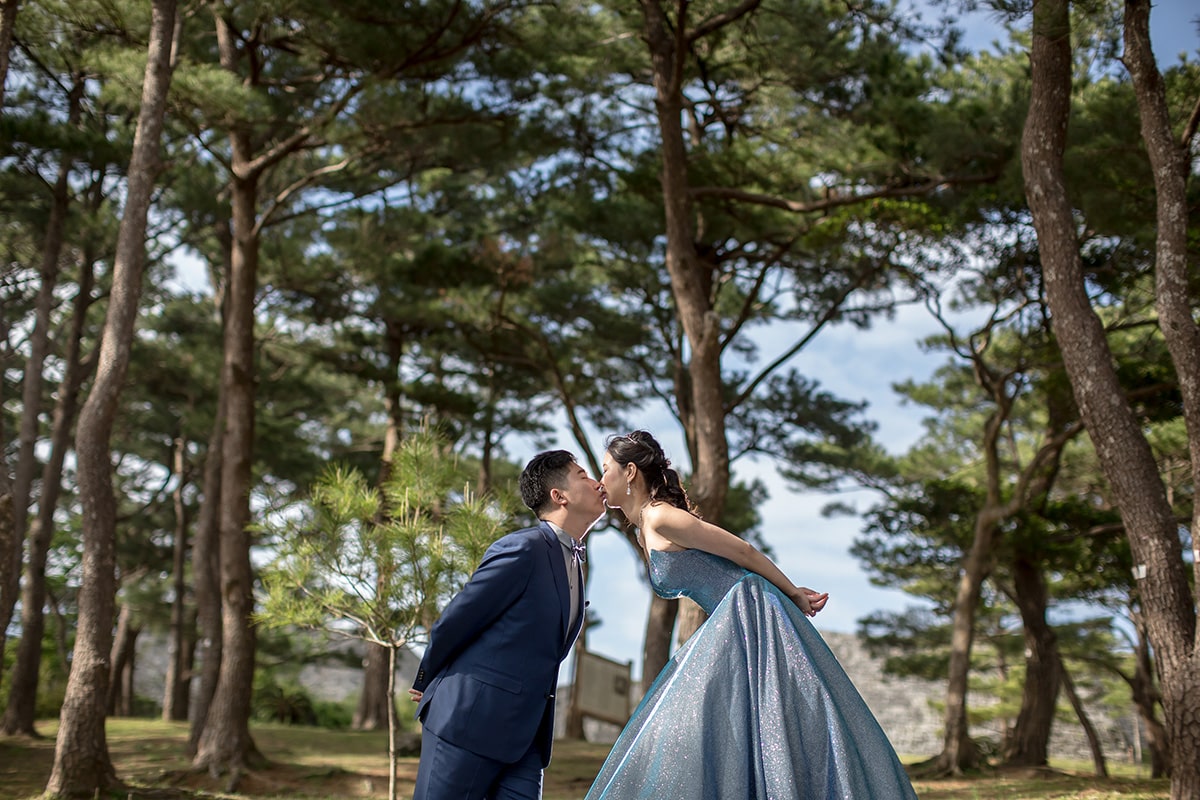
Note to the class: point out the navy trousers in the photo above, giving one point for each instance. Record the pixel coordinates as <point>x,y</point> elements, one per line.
<point>447,772</point>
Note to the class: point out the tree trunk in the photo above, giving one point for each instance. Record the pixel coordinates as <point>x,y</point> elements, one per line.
<point>691,278</point>
<point>128,703</point>
<point>656,650</point>
<point>21,709</point>
<point>177,704</point>
<point>959,753</point>
<point>391,722</point>
<point>61,626</point>
<point>39,340</point>
<point>8,21</point>
<point>1029,744</point>
<point>81,762</point>
<point>39,344</point>
<point>1123,452</point>
<point>1089,730</point>
<point>372,711</point>
<point>1171,163</point>
<point>10,543</point>
<point>124,641</point>
<point>226,746</point>
<point>699,391</point>
<point>9,572</point>
<point>691,617</point>
<point>1146,700</point>
<point>206,563</point>
<point>178,681</point>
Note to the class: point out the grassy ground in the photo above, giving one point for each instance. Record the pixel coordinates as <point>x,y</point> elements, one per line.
<point>315,764</point>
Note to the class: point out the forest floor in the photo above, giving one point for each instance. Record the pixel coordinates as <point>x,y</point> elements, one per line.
<point>319,764</point>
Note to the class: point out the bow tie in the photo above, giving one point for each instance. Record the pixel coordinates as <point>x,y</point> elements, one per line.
<point>578,551</point>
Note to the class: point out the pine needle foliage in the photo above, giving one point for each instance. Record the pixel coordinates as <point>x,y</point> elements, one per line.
<point>378,563</point>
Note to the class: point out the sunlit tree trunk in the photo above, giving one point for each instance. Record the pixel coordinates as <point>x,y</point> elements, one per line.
<point>82,765</point>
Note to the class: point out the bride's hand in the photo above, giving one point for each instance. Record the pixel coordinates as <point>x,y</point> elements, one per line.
<point>810,602</point>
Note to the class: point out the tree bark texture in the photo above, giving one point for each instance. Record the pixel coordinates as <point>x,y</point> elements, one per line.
<point>81,761</point>
<point>1170,161</point>
<point>21,709</point>
<point>1029,744</point>
<point>225,746</point>
<point>1123,452</point>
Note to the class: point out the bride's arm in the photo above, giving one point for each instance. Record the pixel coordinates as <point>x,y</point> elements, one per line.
<point>687,530</point>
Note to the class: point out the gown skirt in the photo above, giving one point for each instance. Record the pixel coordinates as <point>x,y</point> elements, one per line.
<point>753,706</point>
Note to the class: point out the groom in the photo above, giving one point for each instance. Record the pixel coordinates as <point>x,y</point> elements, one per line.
<point>485,687</point>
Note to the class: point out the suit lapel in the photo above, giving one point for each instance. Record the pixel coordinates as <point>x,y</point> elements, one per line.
<point>559,570</point>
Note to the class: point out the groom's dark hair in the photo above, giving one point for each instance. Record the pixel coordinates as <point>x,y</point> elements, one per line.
<point>544,472</point>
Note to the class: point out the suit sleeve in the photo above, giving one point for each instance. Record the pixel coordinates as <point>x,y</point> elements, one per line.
<point>500,579</point>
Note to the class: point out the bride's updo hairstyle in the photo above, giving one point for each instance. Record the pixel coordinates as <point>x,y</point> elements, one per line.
<point>644,452</point>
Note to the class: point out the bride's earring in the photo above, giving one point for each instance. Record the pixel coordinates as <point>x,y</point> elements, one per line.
<point>627,489</point>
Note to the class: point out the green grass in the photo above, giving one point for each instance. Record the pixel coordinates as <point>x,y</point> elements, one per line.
<point>316,764</point>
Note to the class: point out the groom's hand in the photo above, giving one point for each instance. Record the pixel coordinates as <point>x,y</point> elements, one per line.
<point>415,696</point>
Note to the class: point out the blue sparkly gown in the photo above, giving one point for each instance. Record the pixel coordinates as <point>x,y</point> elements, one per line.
<point>754,705</point>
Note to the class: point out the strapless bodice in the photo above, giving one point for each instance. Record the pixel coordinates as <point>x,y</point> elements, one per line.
<point>695,574</point>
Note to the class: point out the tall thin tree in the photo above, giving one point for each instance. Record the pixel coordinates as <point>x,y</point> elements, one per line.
<point>1124,453</point>
<point>81,761</point>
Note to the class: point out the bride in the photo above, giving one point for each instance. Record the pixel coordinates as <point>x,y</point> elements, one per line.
<point>754,705</point>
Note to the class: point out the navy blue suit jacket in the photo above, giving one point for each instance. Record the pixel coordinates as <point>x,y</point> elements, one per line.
<point>490,671</point>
